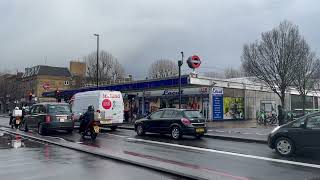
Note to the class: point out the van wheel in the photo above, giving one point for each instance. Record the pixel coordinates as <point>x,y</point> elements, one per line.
<point>176,133</point>
<point>113,128</point>
<point>41,129</point>
<point>139,129</point>
<point>284,147</point>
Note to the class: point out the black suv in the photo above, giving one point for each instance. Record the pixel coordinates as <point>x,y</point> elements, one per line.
<point>177,122</point>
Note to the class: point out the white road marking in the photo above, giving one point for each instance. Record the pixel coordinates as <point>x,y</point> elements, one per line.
<point>230,153</point>
<point>219,131</point>
<point>261,134</point>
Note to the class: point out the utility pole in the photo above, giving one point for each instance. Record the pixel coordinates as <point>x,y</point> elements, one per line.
<point>180,62</point>
<point>97,83</point>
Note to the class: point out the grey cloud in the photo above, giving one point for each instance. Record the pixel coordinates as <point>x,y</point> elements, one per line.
<point>138,32</point>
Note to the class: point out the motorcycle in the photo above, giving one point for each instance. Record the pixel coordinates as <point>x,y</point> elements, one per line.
<point>92,130</point>
<point>16,122</point>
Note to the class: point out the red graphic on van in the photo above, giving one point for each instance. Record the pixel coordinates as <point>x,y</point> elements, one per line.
<point>106,104</point>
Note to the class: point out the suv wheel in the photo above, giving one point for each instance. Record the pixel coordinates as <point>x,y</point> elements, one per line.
<point>176,133</point>
<point>140,130</point>
<point>284,146</point>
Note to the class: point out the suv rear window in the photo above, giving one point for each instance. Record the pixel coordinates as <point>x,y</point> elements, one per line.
<point>193,114</point>
<point>56,109</point>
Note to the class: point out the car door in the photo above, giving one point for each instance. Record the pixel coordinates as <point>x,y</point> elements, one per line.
<point>153,122</point>
<point>31,122</point>
<point>41,114</point>
<point>312,132</point>
<point>168,118</point>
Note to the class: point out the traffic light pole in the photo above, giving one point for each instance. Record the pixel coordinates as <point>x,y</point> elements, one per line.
<point>180,62</point>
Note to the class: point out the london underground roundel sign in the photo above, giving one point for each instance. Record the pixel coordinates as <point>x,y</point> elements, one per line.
<point>194,61</point>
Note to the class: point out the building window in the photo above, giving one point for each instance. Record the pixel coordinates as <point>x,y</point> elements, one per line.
<point>66,83</point>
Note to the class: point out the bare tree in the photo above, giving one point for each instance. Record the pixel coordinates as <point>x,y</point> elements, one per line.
<point>275,58</point>
<point>109,70</point>
<point>233,73</point>
<point>307,75</point>
<point>163,68</point>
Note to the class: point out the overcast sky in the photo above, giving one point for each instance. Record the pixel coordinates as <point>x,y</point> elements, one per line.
<point>138,32</point>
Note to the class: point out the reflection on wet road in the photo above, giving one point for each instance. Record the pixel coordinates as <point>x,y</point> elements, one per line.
<point>24,159</point>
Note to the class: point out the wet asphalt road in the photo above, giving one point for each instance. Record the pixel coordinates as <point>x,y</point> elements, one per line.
<point>25,159</point>
<point>211,155</point>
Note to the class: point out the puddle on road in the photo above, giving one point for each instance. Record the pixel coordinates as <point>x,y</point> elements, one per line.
<point>9,141</point>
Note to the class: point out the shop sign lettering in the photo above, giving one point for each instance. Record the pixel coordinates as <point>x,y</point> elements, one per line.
<point>171,92</point>
<point>106,96</point>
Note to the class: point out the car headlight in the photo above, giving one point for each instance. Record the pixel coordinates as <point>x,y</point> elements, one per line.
<point>275,129</point>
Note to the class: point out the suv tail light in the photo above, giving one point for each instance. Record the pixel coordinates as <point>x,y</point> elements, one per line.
<point>48,118</point>
<point>186,122</point>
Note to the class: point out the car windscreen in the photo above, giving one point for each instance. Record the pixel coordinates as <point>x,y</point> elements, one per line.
<point>193,114</point>
<point>58,109</point>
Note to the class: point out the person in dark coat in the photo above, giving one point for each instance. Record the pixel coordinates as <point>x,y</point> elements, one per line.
<point>86,118</point>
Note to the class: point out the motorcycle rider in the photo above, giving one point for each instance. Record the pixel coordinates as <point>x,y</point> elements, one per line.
<point>11,115</point>
<point>86,118</point>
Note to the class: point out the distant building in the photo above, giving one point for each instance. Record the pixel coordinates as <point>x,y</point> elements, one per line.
<point>40,79</point>
<point>10,91</point>
<point>78,68</point>
<point>78,72</point>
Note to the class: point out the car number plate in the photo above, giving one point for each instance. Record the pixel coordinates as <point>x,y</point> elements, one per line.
<point>200,130</point>
<point>96,129</point>
<point>62,119</point>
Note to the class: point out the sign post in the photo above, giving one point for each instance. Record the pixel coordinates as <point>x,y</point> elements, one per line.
<point>180,64</point>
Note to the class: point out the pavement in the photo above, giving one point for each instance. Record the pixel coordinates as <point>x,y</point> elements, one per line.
<point>205,158</point>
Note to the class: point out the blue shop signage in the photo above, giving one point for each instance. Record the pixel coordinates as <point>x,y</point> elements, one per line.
<point>217,100</point>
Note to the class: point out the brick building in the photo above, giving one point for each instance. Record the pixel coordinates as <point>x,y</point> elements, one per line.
<point>40,79</point>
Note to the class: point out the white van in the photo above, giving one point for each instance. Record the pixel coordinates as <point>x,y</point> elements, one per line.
<point>107,104</point>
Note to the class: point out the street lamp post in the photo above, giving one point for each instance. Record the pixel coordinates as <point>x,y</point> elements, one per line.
<point>180,62</point>
<point>97,61</point>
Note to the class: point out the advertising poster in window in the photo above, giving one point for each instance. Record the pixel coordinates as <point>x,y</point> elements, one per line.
<point>233,108</point>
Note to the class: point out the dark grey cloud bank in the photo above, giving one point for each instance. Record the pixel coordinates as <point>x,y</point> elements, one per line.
<point>138,32</point>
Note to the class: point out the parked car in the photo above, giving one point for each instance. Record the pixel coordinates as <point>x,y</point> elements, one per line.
<point>301,134</point>
<point>176,122</point>
<point>49,116</point>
